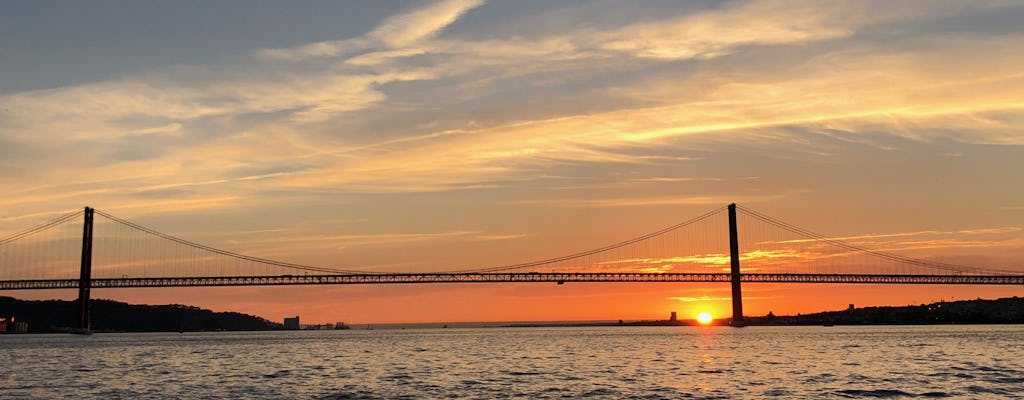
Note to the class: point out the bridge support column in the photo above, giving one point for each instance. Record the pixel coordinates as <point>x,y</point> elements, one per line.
<point>85,278</point>
<point>734,257</point>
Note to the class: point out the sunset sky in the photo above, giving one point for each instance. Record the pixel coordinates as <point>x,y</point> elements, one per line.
<point>427,136</point>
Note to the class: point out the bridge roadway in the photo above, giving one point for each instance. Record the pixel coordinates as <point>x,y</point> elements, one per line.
<point>499,277</point>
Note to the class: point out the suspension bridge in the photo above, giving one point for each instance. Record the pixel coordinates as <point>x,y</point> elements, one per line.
<point>93,249</point>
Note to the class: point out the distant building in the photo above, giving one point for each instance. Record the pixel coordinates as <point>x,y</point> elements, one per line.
<point>850,308</point>
<point>291,323</point>
<point>8,325</point>
<point>672,317</point>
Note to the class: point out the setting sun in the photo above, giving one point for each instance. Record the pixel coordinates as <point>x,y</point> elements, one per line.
<point>704,318</point>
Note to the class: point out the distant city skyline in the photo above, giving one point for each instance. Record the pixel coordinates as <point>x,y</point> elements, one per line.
<point>439,135</point>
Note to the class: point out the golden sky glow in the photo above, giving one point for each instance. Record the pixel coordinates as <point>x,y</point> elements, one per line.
<point>443,135</point>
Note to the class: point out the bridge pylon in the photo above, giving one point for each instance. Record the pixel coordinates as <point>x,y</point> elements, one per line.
<point>85,278</point>
<point>734,268</point>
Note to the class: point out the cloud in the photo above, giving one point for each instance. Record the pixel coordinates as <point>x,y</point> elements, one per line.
<point>396,32</point>
<point>665,179</point>
<point>417,25</point>
<point>319,49</point>
<point>952,243</point>
<point>716,33</point>
<point>709,262</point>
<point>715,259</point>
<point>366,239</point>
<point>174,205</point>
<point>501,237</point>
<point>405,109</point>
<point>858,238</point>
<point>651,201</point>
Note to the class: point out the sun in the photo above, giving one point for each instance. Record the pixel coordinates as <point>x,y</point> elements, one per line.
<point>704,318</point>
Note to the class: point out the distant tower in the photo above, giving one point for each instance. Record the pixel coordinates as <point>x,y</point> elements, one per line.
<point>672,318</point>
<point>291,323</point>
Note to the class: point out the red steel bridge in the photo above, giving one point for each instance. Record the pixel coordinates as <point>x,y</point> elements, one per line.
<point>92,249</point>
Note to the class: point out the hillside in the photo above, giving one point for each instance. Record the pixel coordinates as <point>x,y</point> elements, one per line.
<point>113,316</point>
<point>1000,311</point>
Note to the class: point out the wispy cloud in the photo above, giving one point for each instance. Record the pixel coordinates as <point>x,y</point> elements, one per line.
<point>175,205</point>
<point>396,32</point>
<point>666,179</point>
<point>716,33</point>
<point>652,201</point>
<point>903,246</point>
<point>979,231</point>
<point>404,29</point>
<point>501,237</point>
<point>413,107</point>
<point>366,239</point>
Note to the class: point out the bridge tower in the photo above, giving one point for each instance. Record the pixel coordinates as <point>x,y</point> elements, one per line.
<point>85,278</point>
<point>734,257</point>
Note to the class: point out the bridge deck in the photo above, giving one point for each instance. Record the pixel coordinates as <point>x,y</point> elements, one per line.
<point>535,277</point>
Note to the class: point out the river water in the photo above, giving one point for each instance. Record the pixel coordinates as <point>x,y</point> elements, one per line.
<point>593,362</point>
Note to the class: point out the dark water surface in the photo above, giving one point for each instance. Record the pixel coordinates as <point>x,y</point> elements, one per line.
<point>612,362</point>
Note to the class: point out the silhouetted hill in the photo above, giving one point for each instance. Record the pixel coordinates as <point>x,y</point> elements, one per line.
<point>113,316</point>
<point>1000,311</point>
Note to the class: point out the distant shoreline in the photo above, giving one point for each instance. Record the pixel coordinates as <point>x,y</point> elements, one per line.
<point>1004,311</point>
<point>51,315</point>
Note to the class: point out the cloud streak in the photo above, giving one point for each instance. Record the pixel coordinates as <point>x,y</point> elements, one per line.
<point>416,109</point>
<point>395,32</point>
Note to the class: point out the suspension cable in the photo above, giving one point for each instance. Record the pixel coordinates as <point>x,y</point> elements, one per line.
<point>40,228</point>
<point>597,250</point>
<point>228,253</point>
<point>890,256</point>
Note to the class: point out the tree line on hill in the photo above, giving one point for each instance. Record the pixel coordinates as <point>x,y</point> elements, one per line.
<point>44,316</point>
<point>1008,310</point>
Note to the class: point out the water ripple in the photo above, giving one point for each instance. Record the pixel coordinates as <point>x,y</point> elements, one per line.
<point>542,363</point>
